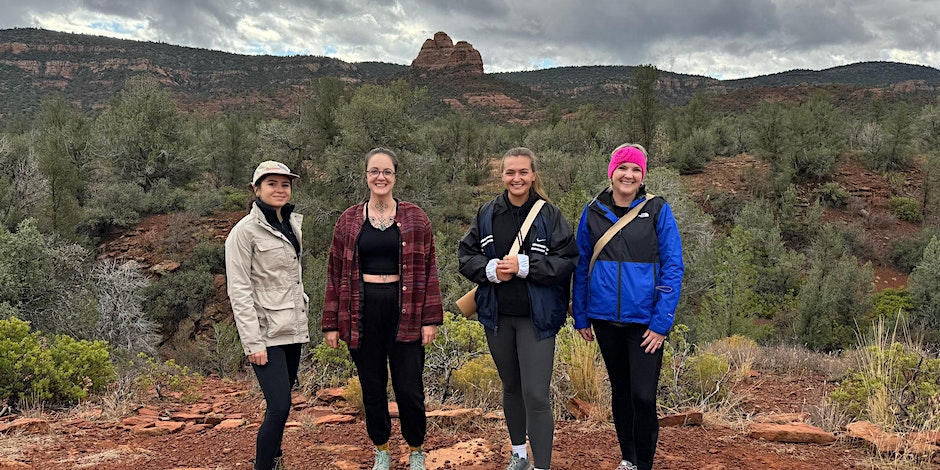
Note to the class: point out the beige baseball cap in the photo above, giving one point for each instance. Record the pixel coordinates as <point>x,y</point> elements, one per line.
<point>271,167</point>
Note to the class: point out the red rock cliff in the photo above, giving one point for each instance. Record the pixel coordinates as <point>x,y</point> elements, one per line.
<point>440,54</point>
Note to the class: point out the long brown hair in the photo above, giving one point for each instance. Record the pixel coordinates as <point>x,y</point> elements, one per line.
<point>537,185</point>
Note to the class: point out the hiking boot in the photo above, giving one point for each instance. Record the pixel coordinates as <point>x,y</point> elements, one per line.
<point>279,464</point>
<point>416,460</point>
<point>383,460</point>
<point>518,463</point>
<point>624,465</point>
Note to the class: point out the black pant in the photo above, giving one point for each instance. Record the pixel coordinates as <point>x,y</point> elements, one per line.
<point>276,379</point>
<point>377,354</point>
<point>634,378</point>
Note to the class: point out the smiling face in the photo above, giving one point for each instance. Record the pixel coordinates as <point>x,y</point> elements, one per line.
<point>380,175</point>
<point>274,190</point>
<point>518,176</point>
<point>625,181</point>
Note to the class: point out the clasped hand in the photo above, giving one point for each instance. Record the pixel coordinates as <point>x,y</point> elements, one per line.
<point>507,267</point>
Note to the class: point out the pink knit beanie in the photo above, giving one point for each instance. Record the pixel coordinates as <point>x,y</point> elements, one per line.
<point>626,155</point>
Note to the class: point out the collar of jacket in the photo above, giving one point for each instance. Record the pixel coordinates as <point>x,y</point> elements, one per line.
<point>604,202</point>
<point>270,214</point>
<point>502,203</point>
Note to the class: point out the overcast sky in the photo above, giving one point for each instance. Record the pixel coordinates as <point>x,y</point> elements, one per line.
<point>719,38</point>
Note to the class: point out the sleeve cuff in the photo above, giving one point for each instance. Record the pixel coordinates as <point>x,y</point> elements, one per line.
<point>523,265</point>
<point>491,271</point>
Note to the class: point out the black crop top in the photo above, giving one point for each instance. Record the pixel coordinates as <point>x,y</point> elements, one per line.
<point>378,249</point>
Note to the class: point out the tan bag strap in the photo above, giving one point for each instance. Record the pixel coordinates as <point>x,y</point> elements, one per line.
<point>621,223</point>
<point>526,224</point>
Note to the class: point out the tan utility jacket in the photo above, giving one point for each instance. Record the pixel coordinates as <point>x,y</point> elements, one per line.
<point>265,288</point>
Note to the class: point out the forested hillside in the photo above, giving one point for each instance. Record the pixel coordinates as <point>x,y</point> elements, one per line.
<point>791,211</point>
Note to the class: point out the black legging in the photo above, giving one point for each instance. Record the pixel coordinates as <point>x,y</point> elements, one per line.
<point>634,378</point>
<point>276,379</point>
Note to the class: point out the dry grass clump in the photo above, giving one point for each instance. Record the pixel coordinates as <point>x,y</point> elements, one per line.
<point>799,361</point>
<point>579,373</point>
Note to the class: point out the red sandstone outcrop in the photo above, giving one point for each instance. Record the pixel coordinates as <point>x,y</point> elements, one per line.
<point>440,54</point>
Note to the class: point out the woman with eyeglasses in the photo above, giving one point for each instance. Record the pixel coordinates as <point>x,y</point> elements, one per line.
<point>383,299</point>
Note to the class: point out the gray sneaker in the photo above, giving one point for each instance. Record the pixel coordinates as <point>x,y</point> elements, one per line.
<point>518,463</point>
<point>416,460</point>
<point>383,460</point>
<point>625,465</point>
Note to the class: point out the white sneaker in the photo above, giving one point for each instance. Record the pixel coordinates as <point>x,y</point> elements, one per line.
<point>624,465</point>
<point>383,460</point>
<point>518,463</point>
<point>416,460</point>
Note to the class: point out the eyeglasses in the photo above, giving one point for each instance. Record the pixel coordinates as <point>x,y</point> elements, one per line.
<point>373,172</point>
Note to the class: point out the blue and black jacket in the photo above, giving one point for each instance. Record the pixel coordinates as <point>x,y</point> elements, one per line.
<point>552,255</point>
<point>638,275</point>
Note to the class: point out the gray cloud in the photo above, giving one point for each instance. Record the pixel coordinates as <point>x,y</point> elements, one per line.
<point>722,38</point>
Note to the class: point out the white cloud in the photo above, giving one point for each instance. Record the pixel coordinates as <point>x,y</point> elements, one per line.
<point>721,38</point>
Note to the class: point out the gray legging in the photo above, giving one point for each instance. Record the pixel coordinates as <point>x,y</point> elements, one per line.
<point>525,367</point>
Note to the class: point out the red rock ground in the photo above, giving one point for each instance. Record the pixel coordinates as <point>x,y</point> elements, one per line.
<point>85,439</point>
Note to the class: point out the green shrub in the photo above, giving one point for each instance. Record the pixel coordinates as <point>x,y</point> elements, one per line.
<point>203,202</point>
<point>834,298</point>
<point>177,295</point>
<point>163,198</point>
<point>7,311</point>
<point>57,371</point>
<point>479,382</point>
<point>235,200</point>
<point>832,194</point>
<point>114,205</point>
<point>208,257</point>
<point>326,367</point>
<point>906,208</point>
<point>707,372</point>
<point>889,304</point>
<point>691,154</point>
<point>458,341</point>
<point>923,283</point>
<point>894,386</point>
<point>693,380</point>
<point>907,253</point>
<point>352,393</point>
<point>163,377</point>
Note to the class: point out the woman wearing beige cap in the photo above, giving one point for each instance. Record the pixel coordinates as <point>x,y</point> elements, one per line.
<point>262,268</point>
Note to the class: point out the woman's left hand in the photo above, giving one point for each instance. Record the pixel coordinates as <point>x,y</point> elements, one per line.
<point>652,341</point>
<point>428,333</point>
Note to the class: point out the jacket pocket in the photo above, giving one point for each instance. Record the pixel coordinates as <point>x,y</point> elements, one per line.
<point>277,308</point>
<point>604,289</point>
<point>270,255</point>
<point>638,289</point>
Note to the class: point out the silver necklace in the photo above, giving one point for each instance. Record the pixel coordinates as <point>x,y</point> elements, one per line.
<point>380,221</point>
